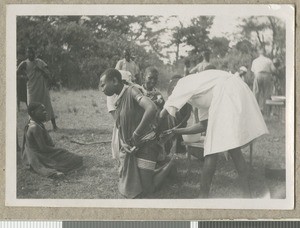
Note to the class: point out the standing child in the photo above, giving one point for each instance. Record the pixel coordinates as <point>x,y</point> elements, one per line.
<point>148,88</point>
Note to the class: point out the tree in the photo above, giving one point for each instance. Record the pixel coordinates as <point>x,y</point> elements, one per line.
<point>261,26</point>
<point>79,48</point>
<point>219,46</point>
<point>196,35</point>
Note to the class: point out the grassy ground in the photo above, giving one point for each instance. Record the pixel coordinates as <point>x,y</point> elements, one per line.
<point>82,115</point>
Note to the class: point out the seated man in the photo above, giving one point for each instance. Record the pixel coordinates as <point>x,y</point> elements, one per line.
<point>39,152</point>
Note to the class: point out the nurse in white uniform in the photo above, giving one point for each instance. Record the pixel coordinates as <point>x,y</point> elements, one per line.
<point>229,114</point>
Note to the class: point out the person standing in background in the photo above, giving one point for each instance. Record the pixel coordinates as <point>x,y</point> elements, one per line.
<point>279,87</point>
<point>242,73</point>
<point>262,67</point>
<point>187,67</point>
<point>127,64</point>
<point>38,74</point>
<point>201,66</point>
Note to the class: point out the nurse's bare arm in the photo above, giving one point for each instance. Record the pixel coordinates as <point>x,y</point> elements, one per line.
<point>194,129</point>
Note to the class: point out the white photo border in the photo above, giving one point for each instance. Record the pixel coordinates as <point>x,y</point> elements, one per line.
<point>285,11</point>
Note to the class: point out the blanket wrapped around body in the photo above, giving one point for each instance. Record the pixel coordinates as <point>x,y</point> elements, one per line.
<point>46,162</point>
<point>129,114</point>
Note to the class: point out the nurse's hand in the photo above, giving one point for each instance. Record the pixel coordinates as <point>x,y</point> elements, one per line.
<point>163,114</point>
<point>171,131</point>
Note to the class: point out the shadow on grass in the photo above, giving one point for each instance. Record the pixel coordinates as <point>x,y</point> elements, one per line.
<point>73,131</point>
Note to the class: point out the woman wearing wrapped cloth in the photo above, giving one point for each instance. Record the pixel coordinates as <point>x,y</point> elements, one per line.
<point>39,152</point>
<point>228,112</point>
<point>37,74</point>
<point>134,115</point>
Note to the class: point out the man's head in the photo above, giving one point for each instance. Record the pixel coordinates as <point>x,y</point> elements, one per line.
<point>187,62</point>
<point>30,53</point>
<point>151,77</point>
<point>243,71</point>
<point>206,55</point>
<point>110,81</point>
<point>127,54</point>
<point>276,62</point>
<point>261,51</point>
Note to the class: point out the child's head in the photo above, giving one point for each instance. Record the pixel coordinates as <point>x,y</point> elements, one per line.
<point>206,55</point>
<point>151,77</point>
<point>37,111</point>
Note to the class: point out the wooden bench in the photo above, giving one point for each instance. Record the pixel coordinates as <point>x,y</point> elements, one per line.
<point>279,108</point>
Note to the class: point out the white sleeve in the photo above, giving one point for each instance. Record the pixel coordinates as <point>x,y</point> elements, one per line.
<point>253,66</point>
<point>203,114</point>
<point>118,66</point>
<point>110,102</point>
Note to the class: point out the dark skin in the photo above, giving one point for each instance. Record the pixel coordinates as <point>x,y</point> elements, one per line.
<point>150,179</point>
<point>39,115</point>
<point>111,87</point>
<point>30,53</point>
<point>127,55</point>
<point>150,81</point>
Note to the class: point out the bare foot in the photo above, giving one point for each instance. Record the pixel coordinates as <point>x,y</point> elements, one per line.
<point>57,175</point>
<point>55,128</point>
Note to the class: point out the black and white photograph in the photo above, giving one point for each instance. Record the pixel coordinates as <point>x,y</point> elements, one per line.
<point>150,106</point>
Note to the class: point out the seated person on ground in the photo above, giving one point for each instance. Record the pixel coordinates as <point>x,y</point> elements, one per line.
<point>39,152</point>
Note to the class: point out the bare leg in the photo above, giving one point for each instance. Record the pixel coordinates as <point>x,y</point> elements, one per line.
<point>152,179</point>
<point>147,181</point>
<point>54,124</point>
<point>241,167</point>
<point>161,174</point>
<point>209,168</point>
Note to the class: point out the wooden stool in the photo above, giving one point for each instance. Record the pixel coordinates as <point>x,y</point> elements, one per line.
<point>279,107</point>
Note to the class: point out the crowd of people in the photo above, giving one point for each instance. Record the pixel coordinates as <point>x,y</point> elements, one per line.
<point>148,128</point>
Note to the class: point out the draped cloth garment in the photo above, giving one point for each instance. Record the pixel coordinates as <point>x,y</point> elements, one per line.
<point>37,85</point>
<point>46,163</point>
<point>129,114</point>
<point>234,117</point>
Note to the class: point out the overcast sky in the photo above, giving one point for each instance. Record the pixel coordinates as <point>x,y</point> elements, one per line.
<point>222,27</point>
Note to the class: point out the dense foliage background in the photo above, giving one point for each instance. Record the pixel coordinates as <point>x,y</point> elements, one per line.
<point>79,48</point>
